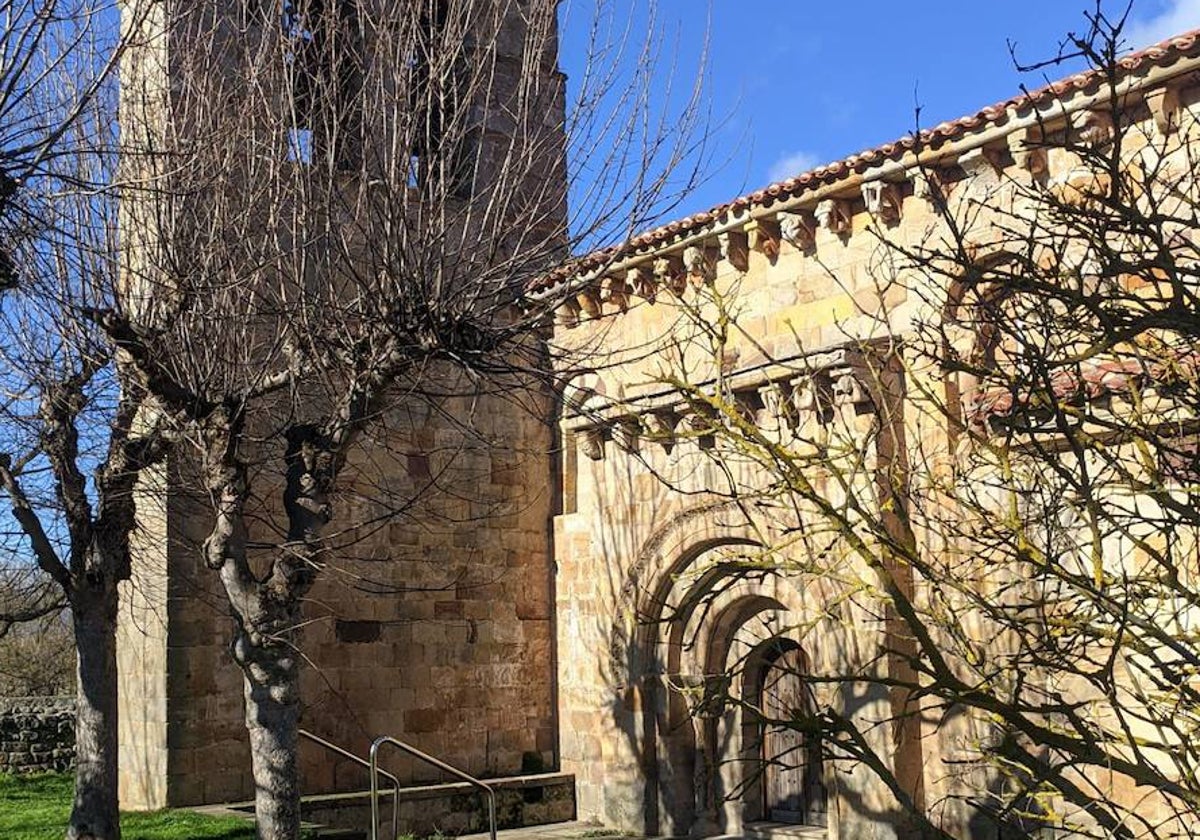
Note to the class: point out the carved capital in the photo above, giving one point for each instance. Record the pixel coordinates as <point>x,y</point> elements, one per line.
<point>763,235</point>
<point>883,201</point>
<point>833,214</point>
<point>799,228</point>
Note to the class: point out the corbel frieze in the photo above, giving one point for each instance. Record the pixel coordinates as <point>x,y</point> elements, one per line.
<point>931,184</point>
<point>816,388</point>
<point>627,432</point>
<point>983,164</point>
<point>660,425</point>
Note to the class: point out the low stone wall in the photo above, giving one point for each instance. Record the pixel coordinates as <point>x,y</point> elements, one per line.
<point>37,734</point>
<point>454,808</point>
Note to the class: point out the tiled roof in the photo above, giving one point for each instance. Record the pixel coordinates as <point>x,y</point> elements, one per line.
<point>1162,54</point>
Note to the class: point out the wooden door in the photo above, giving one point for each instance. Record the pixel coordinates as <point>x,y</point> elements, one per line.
<point>793,783</point>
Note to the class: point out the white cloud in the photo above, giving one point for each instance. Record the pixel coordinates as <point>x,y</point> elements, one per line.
<point>1175,17</point>
<point>792,164</point>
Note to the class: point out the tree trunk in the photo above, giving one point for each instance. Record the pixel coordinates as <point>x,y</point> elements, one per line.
<point>271,683</point>
<point>94,813</point>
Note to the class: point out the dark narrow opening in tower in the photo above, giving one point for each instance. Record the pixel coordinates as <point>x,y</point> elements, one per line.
<point>324,75</point>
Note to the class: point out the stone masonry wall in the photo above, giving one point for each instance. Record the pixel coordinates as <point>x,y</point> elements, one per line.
<point>37,734</point>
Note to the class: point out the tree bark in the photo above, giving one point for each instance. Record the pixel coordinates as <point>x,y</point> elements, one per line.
<point>271,685</point>
<point>94,813</point>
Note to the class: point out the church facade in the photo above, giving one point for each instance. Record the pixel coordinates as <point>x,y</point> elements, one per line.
<point>596,598</point>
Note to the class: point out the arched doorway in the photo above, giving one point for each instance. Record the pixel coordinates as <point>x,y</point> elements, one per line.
<point>793,781</point>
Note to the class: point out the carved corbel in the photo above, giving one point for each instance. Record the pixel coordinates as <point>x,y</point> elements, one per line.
<point>982,161</point>
<point>833,214</point>
<point>591,442</point>
<point>702,421</point>
<point>763,235</point>
<point>627,432</point>
<point>930,184</point>
<point>777,406</point>
<point>588,299</point>
<point>799,228</point>
<point>668,271</point>
<point>883,201</point>
<point>1093,127</point>
<point>735,249</point>
<point>615,292</point>
<point>641,279</point>
<point>661,425</point>
<point>701,264</point>
<point>848,390</point>
<point>568,313</point>
<point>807,398</point>
<point>1165,106</point>
<point>1029,152</point>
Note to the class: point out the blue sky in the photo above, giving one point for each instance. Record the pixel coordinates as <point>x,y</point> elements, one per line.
<point>795,83</point>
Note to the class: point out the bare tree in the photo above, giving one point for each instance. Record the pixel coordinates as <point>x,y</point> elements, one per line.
<point>1002,488</point>
<point>337,220</point>
<point>73,443</point>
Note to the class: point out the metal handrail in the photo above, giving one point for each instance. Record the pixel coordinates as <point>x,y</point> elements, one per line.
<point>332,747</point>
<point>428,759</point>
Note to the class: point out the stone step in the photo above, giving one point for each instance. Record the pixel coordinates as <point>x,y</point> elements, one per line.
<point>567,830</point>
<point>784,831</point>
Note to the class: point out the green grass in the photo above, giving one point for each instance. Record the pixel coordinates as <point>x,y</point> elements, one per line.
<point>36,808</point>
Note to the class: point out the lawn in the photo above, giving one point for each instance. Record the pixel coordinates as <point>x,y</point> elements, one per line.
<point>36,808</point>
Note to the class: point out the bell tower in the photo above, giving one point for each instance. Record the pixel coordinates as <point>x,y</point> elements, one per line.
<point>426,138</point>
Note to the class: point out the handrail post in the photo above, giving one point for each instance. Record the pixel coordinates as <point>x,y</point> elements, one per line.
<point>374,764</point>
<point>488,790</point>
<point>334,748</point>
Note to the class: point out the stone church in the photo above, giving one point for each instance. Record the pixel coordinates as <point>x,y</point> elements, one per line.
<point>561,622</point>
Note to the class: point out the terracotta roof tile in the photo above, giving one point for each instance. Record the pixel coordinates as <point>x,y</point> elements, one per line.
<point>1161,54</point>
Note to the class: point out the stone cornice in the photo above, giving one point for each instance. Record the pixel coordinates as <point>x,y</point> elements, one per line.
<point>1011,142</point>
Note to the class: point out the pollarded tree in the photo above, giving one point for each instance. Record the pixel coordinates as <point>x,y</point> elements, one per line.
<point>336,212</point>
<point>73,444</point>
